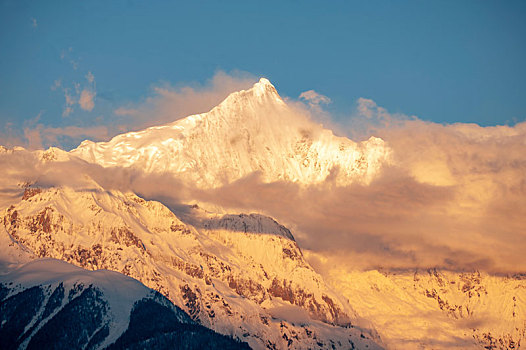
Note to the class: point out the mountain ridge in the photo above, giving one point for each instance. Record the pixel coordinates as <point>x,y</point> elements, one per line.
<point>251,131</point>
<point>243,275</point>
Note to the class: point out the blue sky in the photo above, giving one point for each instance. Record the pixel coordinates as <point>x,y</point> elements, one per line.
<point>444,61</point>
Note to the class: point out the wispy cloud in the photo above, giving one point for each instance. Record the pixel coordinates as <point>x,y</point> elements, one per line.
<point>65,52</point>
<point>41,136</point>
<point>84,97</point>
<point>56,84</point>
<point>69,102</point>
<point>312,97</point>
<point>67,55</point>
<point>86,100</point>
<point>34,22</point>
<point>121,111</point>
<point>90,78</point>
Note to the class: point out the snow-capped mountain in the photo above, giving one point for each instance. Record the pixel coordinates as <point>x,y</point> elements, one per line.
<point>250,131</point>
<point>243,274</point>
<point>49,303</point>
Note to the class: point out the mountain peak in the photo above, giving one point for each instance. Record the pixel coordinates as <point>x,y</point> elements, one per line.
<point>261,92</point>
<point>251,131</point>
<point>264,82</point>
<point>263,87</point>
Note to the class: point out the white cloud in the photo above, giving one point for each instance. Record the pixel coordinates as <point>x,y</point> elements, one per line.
<point>34,22</point>
<point>454,196</point>
<point>368,118</point>
<point>312,97</point>
<point>85,97</point>
<point>86,100</point>
<point>70,101</point>
<point>367,107</point>
<point>41,136</point>
<point>90,77</point>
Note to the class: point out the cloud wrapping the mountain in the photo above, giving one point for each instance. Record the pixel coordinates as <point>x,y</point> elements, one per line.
<point>453,197</point>
<point>168,103</point>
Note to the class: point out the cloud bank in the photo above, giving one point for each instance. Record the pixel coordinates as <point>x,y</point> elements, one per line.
<point>454,196</point>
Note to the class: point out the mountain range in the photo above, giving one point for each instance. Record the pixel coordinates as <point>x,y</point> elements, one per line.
<point>161,272</point>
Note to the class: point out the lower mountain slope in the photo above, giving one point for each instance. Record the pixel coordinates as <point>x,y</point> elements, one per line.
<point>49,303</point>
<point>241,275</point>
<point>433,309</point>
<point>244,275</point>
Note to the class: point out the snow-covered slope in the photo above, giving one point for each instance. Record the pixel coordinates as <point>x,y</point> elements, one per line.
<point>252,130</point>
<point>241,275</point>
<point>49,303</point>
<point>434,309</point>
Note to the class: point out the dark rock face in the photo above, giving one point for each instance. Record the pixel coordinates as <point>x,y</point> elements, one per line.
<point>123,235</point>
<point>30,192</point>
<point>75,324</point>
<point>191,301</point>
<point>167,332</point>
<point>16,312</point>
<point>70,326</point>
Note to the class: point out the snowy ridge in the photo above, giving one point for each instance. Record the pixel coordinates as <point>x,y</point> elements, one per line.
<point>250,131</point>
